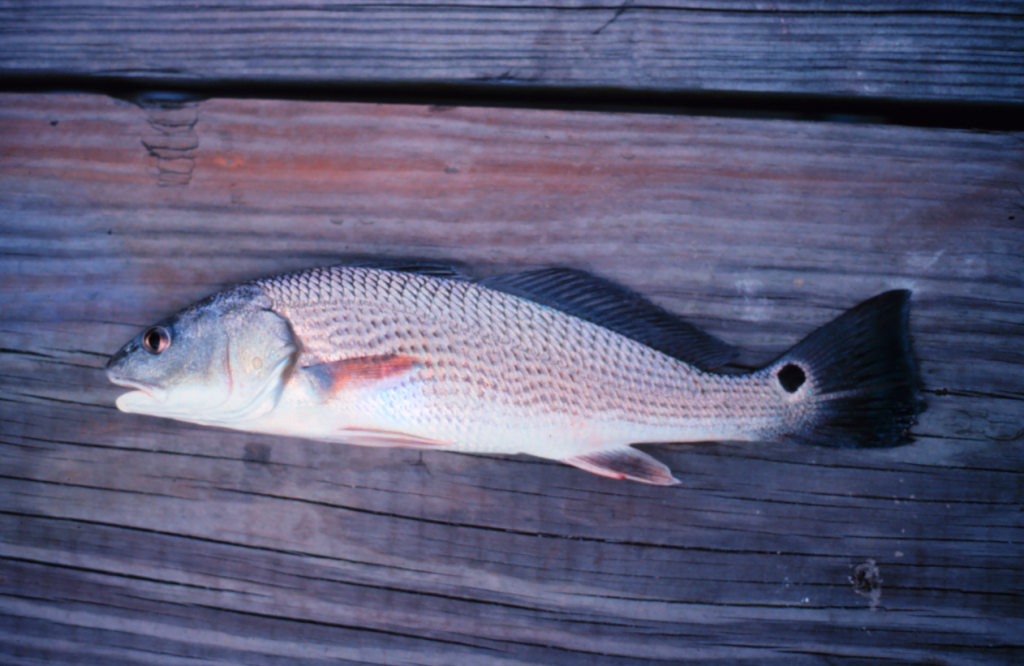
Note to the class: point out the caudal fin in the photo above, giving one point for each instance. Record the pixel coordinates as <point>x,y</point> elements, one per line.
<point>860,378</point>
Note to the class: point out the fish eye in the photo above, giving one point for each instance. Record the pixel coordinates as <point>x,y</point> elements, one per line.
<point>156,340</point>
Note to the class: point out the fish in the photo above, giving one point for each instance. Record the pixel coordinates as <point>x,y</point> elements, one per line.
<point>555,363</point>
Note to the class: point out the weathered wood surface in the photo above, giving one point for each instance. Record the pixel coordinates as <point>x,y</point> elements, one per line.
<point>134,540</point>
<point>966,51</point>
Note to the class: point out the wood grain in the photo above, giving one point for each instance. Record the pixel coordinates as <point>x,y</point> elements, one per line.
<point>947,51</point>
<point>133,540</point>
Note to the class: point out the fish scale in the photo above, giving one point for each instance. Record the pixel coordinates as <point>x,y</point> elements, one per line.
<point>537,357</point>
<point>553,363</point>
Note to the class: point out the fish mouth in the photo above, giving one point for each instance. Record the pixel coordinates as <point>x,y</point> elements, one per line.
<point>134,401</point>
<point>148,389</point>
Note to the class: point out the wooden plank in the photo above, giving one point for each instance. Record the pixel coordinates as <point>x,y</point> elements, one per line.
<point>131,540</point>
<point>880,49</point>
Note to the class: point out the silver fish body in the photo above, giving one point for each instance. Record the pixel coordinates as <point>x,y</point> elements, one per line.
<point>384,357</point>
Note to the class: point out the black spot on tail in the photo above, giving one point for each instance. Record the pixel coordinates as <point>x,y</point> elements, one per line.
<point>791,377</point>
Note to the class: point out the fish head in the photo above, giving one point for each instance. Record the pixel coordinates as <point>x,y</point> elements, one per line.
<point>218,362</point>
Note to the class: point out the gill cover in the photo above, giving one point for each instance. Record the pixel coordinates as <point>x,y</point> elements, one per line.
<point>224,361</point>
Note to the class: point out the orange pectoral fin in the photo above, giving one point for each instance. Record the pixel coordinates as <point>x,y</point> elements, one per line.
<point>360,372</point>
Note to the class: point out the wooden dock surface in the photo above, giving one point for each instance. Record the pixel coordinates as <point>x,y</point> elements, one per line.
<point>127,540</point>
<point>891,49</point>
<point>134,540</point>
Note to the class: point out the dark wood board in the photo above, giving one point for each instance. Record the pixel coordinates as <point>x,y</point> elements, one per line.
<point>937,51</point>
<point>134,540</point>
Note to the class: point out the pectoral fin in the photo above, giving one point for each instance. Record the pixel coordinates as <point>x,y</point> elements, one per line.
<point>331,379</point>
<point>625,463</point>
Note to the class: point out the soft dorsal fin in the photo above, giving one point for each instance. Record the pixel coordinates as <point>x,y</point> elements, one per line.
<point>607,304</point>
<point>418,266</point>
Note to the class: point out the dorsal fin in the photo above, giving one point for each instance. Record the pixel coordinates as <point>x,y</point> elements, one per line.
<point>419,266</point>
<point>607,304</point>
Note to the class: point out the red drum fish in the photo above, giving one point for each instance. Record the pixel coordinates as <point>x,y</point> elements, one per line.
<point>554,363</point>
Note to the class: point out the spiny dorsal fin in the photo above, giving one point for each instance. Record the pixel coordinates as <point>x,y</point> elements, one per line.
<point>607,304</point>
<point>418,266</point>
<point>625,462</point>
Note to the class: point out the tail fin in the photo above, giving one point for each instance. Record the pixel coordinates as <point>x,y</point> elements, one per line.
<point>861,374</point>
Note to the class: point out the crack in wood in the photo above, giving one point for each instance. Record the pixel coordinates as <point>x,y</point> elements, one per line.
<point>85,486</point>
<point>618,12</point>
<point>24,352</point>
<point>119,574</point>
<point>63,401</point>
<point>351,627</point>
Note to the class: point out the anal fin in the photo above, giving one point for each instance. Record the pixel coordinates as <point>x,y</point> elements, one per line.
<point>625,463</point>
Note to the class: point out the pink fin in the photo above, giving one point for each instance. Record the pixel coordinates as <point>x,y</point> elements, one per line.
<point>625,463</point>
<point>362,437</point>
<point>359,372</point>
